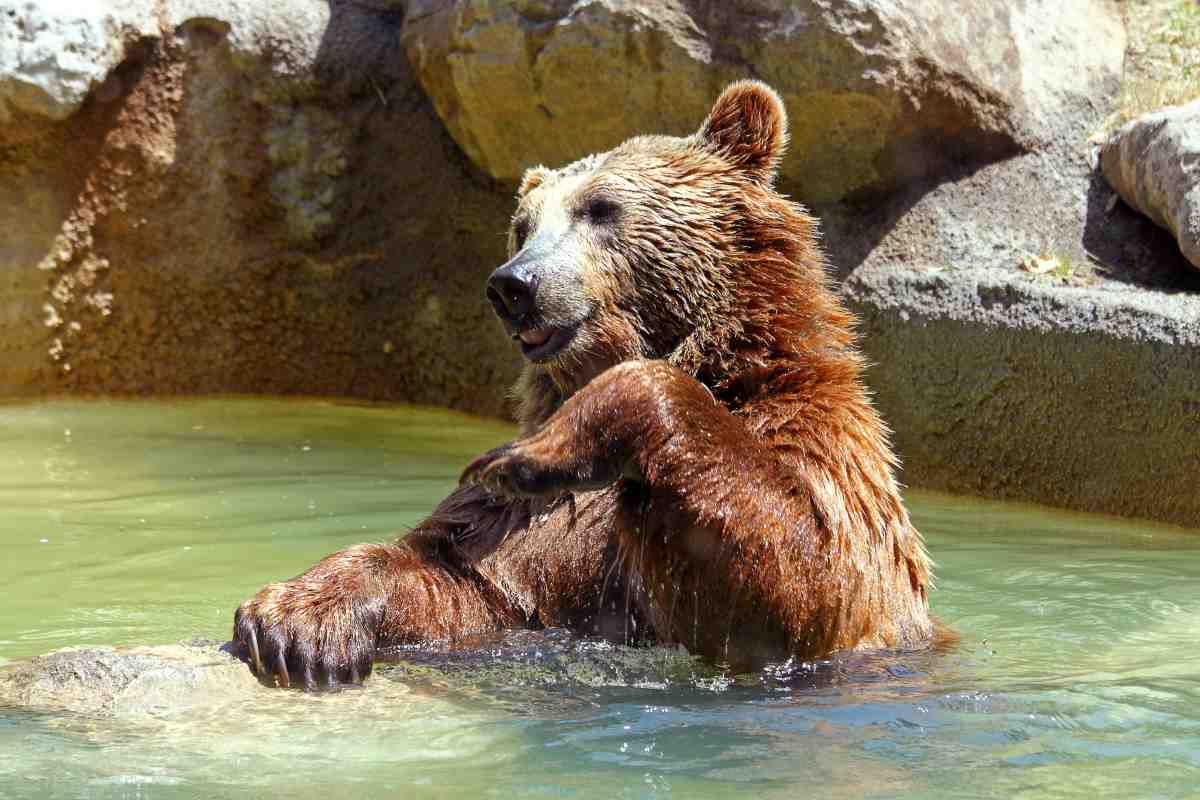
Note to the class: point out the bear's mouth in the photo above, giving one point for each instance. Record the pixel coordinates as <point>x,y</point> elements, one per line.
<point>541,344</point>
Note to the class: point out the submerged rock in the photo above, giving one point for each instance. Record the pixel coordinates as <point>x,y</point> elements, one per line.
<point>164,714</point>
<point>121,681</point>
<point>1153,163</point>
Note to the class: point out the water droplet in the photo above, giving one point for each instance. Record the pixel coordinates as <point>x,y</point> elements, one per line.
<point>44,541</point>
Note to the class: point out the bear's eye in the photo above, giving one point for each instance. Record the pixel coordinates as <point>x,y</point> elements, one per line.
<point>601,210</point>
<point>521,231</point>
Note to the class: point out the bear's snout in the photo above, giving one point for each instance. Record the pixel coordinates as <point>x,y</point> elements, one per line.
<point>512,290</point>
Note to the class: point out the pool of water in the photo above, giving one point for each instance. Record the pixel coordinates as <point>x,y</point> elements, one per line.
<point>131,523</point>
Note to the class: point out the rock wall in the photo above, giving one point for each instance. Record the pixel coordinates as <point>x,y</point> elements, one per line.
<point>306,197</point>
<point>252,199</point>
<point>996,387</point>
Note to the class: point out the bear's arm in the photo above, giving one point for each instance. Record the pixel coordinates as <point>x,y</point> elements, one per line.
<point>325,625</point>
<point>774,554</point>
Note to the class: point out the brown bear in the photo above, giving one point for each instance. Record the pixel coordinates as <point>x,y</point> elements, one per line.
<point>700,463</point>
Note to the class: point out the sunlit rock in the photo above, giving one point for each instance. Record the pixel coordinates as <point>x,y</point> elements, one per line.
<point>879,92</point>
<point>1153,163</point>
<point>52,54</point>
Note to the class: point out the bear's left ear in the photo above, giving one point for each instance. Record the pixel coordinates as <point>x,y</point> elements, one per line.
<point>748,126</point>
<point>533,178</point>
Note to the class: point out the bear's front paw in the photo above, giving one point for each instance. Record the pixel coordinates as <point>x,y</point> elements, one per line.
<point>308,634</point>
<point>508,471</point>
<point>538,465</point>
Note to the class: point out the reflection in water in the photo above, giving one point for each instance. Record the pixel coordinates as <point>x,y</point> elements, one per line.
<point>1075,676</point>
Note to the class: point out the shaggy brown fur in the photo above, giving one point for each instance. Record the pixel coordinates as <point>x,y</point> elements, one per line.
<point>700,465</point>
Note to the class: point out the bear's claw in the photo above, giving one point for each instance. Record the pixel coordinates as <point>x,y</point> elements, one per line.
<point>564,456</point>
<point>253,636</point>
<point>506,473</point>
<point>284,642</point>
<point>512,471</point>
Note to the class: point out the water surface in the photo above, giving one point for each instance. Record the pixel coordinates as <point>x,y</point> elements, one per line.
<point>126,522</point>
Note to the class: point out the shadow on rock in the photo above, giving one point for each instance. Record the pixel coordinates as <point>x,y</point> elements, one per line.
<point>1129,247</point>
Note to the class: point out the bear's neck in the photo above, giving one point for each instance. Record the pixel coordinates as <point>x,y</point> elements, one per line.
<point>796,376</point>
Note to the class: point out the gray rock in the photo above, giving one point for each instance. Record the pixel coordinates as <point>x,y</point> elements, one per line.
<point>52,54</point>
<point>119,682</point>
<point>879,92</point>
<point>289,33</point>
<point>1153,163</point>
<point>999,386</point>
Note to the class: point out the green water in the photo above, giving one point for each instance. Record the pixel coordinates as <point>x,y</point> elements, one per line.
<point>1078,674</point>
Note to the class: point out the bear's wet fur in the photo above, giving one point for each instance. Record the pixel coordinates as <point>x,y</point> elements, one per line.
<point>700,462</point>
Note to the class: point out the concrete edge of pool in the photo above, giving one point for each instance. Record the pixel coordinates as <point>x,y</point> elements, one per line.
<point>997,388</point>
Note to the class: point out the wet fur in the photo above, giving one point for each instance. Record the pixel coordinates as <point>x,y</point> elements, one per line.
<point>726,485</point>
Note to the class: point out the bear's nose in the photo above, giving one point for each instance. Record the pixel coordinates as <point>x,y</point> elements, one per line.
<point>511,290</point>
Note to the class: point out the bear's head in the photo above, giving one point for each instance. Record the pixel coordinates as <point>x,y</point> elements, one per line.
<point>664,247</point>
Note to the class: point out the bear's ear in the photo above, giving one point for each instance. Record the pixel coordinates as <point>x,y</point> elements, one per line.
<point>533,178</point>
<point>748,126</point>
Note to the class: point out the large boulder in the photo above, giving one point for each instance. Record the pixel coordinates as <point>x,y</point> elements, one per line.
<point>879,91</point>
<point>1153,163</point>
<point>222,196</point>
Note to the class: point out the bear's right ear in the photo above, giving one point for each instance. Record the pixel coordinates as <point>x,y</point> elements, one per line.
<point>533,178</point>
<point>748,127</point>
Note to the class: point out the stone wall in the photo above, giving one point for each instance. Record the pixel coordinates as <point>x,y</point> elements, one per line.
<point>305,197</point>
<point>250,200</point>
